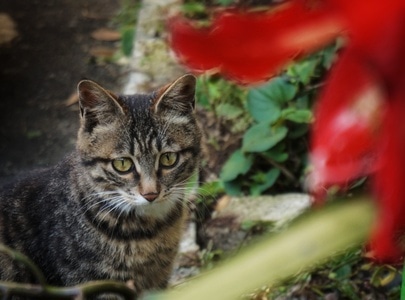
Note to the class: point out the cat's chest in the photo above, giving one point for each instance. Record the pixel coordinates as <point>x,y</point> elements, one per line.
<point>143,260</point>
<point>139,247</point>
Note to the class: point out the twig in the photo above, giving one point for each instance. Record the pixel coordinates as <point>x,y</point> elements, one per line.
<point>17,256</point>
<point>75,292</point>
<point>282,169</point>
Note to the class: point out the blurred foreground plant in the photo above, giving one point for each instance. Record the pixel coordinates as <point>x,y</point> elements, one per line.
<point>307,243</point>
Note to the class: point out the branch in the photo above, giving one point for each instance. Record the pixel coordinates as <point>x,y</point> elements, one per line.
<point>279,166</point>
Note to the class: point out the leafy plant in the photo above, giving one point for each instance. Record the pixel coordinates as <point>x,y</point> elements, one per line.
<point>274,146</point>
<point>225,100</point>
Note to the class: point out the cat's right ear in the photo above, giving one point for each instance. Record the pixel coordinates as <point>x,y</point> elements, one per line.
<point>179,95</point>
<point>97,105</point>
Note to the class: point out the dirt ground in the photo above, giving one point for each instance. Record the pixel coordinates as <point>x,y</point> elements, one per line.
<point>39,71</point>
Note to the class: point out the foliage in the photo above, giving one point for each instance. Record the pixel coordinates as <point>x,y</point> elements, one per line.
<point>274,147</point>
<point>126,21</point>
<point>225,100</point>
<point>198,10</point>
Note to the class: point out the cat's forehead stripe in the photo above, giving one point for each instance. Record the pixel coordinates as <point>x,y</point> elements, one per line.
<point>177,120</point>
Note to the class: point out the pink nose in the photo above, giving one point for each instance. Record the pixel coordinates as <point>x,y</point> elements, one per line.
<point>150,196</point>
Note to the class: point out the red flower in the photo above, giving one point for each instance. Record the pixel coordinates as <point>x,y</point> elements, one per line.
<point>251,46</point>
<point>359,128</point>
<point>347,127</point>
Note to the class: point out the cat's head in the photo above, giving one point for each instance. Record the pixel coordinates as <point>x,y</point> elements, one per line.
<point>139,151</point>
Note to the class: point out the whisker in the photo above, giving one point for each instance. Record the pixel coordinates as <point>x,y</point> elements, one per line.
<point>101,201</point>
<point>114,205</point>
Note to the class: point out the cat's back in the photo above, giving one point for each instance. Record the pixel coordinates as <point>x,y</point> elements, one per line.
<point>23,183</point>
<point>27,200</point>
<point>29,215</point>
<point>31,185</point>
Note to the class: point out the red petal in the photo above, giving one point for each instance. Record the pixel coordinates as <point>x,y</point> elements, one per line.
<point>389,180</point>
<point>252,46</point>
<point>192,45</point>
<point>345,133</point>
<point>376,29</point>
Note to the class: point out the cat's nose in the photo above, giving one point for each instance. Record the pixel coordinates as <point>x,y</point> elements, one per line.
<point>150,196</point>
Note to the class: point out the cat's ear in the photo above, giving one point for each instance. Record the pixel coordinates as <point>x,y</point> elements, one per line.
<point>179,96</point>
<point>97,105</point>
<point>93,97</point>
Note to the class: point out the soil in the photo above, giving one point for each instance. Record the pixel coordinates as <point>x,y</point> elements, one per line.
<point>39,71</point>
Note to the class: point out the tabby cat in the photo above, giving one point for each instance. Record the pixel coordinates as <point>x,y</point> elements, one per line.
<point>114,208</point>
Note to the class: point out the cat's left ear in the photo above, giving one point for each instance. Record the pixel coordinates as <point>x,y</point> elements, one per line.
<point>179,96</point>
<point>93,97</point>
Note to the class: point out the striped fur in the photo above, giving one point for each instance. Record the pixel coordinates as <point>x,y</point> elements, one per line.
<point>83,220</point>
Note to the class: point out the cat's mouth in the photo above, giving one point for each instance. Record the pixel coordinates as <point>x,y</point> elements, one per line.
<point>151,199</point>
<point>128,203</point>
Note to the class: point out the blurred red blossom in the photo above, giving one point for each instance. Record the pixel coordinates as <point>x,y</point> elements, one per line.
<point>358,127</point>
<point>250,46</point>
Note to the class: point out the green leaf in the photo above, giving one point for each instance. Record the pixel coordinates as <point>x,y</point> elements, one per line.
<point>278,90</point>
<point>267,180</point>
<point>276,155</point>
<point>225,2</point>
<point>213,90</point>
<point>32,134</point>
<point>262,137</point>
<point>203,100</point>
<point>302,102</point>
<point>233,188</point>
<point>303,70</point>
<point>210,189</point>
<point>329,56</point>
<point>297,115</point>
<point>257,225</point>
<point>237,164</point>
<point>193,8</point>
<point>262,107</point>
<point>202,96</point>
<point>127,37</point>
<point>228,111</point>
<point>343,272</point>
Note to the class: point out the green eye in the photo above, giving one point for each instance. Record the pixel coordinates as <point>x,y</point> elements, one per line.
<point>122,164</point>
<point>168,159</point>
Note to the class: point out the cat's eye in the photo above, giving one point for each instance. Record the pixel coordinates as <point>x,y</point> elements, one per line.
<point>122,164</point>
<point>168,159</point>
